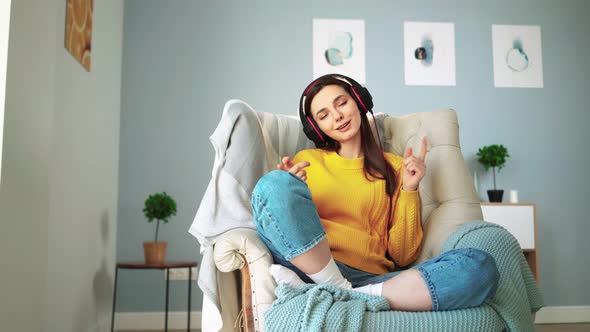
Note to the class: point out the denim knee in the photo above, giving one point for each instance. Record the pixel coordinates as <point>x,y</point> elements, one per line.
<point>284,214</point>
<point>266,188</point>
<point>488,276</point>
<point>482,276</point>
<point>273,182</point>
<point>276,189</point>
<point>460,278</point>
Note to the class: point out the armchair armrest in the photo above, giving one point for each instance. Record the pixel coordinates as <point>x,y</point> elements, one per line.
<point>518,295</point>
<point>241,248</point>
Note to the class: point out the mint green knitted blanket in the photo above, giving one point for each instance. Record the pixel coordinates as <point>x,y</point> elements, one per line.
<point>327,308</point>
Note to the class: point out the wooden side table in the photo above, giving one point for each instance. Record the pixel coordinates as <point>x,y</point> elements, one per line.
<point>521,221</point>
<point>165,266</point>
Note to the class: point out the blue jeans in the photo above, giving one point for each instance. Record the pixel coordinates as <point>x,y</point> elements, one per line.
<point>288,223</point>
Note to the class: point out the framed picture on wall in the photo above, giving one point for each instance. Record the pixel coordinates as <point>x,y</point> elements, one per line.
<point>339,47</point>
<point>518,59</point>
<point>429,53</point>
<point>79,30</point>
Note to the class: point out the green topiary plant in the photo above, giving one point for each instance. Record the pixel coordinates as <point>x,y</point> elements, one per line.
<point>493,156</point>
<point>159,206</point>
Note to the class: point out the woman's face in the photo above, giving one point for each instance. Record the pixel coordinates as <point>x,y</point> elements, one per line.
<point>337,114</point>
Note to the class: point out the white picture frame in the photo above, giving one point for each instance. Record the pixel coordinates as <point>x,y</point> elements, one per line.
<point>435,41</point>
<point>517,56</point>
<point>339,47</point>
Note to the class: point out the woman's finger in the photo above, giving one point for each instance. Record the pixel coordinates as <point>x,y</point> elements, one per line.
<point>412,165</point>
<point>301,174</point>
<point>410,159</point>
<point>416,168</point>
<point>420,170</point>
<point>282,167</point>
<point>424,148</point>
<point>287,162</point>
<point>411,170</point>
<point>299,166</point>
<point>416,162</point>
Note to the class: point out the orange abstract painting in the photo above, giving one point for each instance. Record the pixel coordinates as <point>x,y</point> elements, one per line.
<point>79,30</point>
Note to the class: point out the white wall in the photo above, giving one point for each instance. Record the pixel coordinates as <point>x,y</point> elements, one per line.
<point>58,197</point>
<point>84,173</point>
<point>24,191</point>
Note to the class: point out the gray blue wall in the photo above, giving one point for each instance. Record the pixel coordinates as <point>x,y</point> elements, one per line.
<point>183,59</point>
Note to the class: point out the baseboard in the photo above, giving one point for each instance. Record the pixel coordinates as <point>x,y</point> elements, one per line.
<point>150,321</point>
<point>102,325</point>
<point>563,314</point>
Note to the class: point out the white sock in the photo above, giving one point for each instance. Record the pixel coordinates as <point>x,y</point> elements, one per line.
<point>283,275</point>
<point>374,289</point>
<point>330,274</point>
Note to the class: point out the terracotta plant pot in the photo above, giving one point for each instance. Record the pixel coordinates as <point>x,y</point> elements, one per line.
<point>154,252</point>
<point>495,196</point>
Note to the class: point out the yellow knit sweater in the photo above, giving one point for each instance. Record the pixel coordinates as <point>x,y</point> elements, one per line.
<point>353,211</point>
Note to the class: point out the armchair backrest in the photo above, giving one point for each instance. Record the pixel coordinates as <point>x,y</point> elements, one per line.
<point>447,192</point>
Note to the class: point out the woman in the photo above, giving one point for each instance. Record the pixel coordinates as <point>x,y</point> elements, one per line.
<point>348,214</point>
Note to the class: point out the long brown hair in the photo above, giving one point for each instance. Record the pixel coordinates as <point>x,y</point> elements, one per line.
<point>375,165</point>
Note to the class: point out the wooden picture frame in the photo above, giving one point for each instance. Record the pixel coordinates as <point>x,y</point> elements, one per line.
<point>78,39</point>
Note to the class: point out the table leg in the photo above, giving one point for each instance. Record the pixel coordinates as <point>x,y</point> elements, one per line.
<point>190,277</point>
<point>167,288</point>
<point>114,300</point>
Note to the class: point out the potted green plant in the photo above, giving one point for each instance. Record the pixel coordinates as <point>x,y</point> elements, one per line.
<point>493,156</point>
<point>159,207</point>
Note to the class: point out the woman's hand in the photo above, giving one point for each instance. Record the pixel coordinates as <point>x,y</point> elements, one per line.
<point>414,169</point>
<point>295,169</point>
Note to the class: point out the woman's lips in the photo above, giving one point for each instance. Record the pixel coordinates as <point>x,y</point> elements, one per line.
<point>344,127</point>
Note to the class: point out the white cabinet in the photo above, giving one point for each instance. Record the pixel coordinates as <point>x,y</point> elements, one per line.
<point>520,220</point>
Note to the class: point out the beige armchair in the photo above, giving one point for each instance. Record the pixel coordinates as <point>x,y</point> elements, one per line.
<point>447,193</point>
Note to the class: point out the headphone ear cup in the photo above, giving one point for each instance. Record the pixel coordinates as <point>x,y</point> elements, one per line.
<point>361,95</point>
<point>366,98</point>
<point>311,133</point>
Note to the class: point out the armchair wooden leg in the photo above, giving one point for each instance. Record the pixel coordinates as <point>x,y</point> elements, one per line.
<point>248,316</point>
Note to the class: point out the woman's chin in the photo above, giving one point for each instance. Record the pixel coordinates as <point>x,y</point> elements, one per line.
<point>345,139</point>
<point>347,136</point>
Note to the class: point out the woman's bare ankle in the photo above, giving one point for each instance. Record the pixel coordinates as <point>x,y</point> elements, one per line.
<point>407,292</point>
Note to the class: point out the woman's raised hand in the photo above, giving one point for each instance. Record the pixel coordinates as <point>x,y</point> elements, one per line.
<point>414,168</point>
<point>295,169</point>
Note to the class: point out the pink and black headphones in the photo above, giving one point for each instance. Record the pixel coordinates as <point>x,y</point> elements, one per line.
<point>360,94</point>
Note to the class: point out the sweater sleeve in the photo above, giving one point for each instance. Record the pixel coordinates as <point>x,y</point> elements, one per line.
<point>405,234</point>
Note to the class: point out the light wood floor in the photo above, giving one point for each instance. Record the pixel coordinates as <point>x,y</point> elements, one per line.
<point>562,327</point>
<point>538,328</point>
